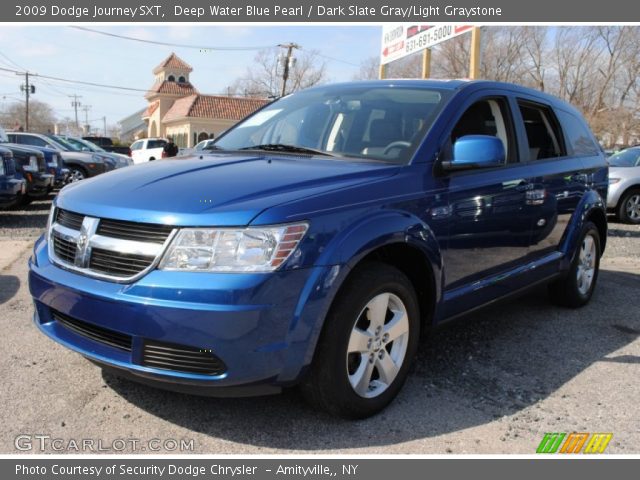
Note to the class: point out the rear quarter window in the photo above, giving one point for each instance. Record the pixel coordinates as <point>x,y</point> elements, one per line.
<point>579,139</point>
<point>156,144</point>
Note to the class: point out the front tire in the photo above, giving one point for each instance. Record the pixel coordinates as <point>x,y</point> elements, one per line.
<point>77,174</point>
<point>629,207</point>
<point>367,345</point>
<point>576,288</point>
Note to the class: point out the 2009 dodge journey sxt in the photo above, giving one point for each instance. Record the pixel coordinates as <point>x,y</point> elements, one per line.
<point>321,236</point>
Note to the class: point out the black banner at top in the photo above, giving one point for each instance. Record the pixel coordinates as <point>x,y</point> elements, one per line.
<point>289,11</point>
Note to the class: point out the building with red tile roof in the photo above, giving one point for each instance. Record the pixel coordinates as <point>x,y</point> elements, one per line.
<point>176,109</point>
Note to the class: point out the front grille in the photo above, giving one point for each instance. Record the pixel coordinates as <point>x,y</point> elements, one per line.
<point>181,358</point>
<point>69,219</point>
<point>140,232</point>
<point>118,264</point>
<point>42,164</point>
<point>93,332</point>
<point>64,249</point>
<point>107,246</point>
<point>9,165</point>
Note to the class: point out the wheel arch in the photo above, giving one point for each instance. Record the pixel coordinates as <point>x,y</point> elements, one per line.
<point>590,209</point>
<point>400,240</point>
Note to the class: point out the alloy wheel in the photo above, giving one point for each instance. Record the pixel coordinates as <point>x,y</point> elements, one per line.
<point>586,264</point>
<point>377,345</point>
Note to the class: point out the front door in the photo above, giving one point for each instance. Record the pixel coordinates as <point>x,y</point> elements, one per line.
<point>490,215</point>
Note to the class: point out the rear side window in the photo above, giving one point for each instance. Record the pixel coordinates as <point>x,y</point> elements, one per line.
<point>578,137</point>
<point>156,144</point>
<point>30,140</point>
<point>543,131</point>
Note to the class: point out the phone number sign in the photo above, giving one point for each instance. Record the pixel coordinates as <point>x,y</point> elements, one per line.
<point>399,40</point>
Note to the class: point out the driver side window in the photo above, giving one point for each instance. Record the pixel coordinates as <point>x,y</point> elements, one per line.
<point>487,117</point>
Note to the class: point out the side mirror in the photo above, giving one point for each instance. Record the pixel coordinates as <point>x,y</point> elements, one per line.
<point>476,151</point>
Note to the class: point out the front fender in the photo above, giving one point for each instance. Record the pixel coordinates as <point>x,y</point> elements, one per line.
<point>332,269</point>
<point>377,230</point>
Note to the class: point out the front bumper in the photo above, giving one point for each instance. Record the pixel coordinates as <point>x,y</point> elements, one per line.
<point>262,326</point>
<point>10,191</point>
<point>40,184</point>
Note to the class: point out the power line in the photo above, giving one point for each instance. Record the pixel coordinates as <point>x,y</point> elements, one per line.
<point>168,44</point>
<point>201,47</point>
<point>93,84</point>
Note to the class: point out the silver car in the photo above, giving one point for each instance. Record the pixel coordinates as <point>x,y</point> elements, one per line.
<point>624,185</point>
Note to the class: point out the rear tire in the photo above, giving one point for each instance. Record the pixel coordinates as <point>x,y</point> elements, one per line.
<point>629,207</point>
<point>367,345</point>
<point>576,288</point>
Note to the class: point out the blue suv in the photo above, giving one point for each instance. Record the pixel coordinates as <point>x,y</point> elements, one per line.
<point>321,236</point>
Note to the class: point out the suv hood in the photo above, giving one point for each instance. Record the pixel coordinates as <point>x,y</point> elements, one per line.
<point>20,150</point>
<point>217,190</point>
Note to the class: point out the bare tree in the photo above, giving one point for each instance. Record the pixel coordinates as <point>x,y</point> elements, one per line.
<point>369,69</point>
<point>264,77</point>
<point>41,116</point>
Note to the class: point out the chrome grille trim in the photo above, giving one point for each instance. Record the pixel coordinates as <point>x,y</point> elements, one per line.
<point>86,239</point>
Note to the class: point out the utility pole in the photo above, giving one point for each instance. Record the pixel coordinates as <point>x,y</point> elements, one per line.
<point>288,63</point>
<point>28,90</point>
<point>474,64</point>
<point>104,125</point>
<point>75,104</point>
<point>87,127</point>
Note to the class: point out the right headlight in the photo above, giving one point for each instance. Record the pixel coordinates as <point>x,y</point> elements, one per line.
<point>252,249</point>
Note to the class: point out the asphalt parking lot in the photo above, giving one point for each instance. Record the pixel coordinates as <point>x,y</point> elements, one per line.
<point>493,384</point>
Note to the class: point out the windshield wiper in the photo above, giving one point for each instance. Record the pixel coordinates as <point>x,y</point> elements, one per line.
<point>282,147</point>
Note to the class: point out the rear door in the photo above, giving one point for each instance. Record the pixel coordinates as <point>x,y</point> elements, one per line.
<point>136,151</point>
<point>559,177</point>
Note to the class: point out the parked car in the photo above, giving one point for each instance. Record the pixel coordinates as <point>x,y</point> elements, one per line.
<point>107,144</point>
<point>119,160</point>
<point>81,164</point>
<point>31,166</point>
<point>147,149</point>
<point>12,187</point>
<point>202,146</point>
<point>53,160</point>
<point>624,185</point>
<point>55,166</point>
<point>322,236</point>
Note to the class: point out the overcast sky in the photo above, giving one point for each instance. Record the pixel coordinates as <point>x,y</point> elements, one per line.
<point>74,54</point>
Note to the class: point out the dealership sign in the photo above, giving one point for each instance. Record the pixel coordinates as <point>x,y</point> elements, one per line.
<point>399,40</point>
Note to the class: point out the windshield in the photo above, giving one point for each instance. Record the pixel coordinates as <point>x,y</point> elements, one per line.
<point>626,158</point>
<point>83,144</point>
<point>378,123</point>
<point>64,145</point>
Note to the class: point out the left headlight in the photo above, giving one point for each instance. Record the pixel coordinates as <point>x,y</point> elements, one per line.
<point>613,181</point>
<point>252,249</point>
